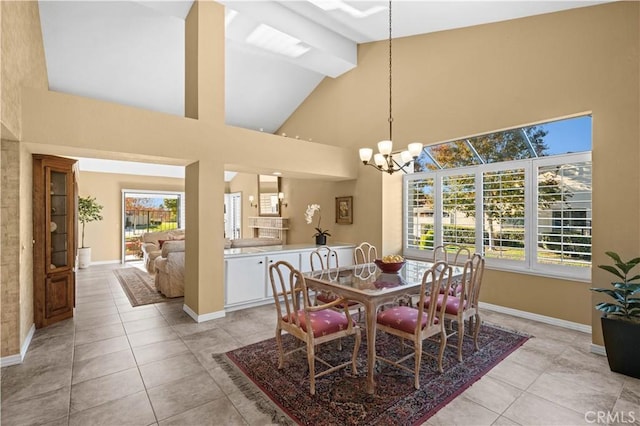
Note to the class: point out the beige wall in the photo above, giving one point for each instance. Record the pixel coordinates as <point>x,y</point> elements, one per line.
<point>9,240</point>
<point>26,242</point>
<point>446,85</point>
<point>23,63</point>
<point>475,80</point>
<point>104,237</point>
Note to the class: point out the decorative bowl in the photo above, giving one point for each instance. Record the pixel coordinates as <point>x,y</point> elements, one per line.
<point>389,267</point>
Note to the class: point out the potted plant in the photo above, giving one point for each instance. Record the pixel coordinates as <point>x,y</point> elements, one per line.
<point>320,235</point>
<point>88,211</point>
<point>621,318</point>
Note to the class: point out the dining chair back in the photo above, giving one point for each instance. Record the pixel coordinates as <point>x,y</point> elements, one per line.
<point>463,304</point>
<point>365,253</point>
<point>323,258</point>
<point>312,324</point>
<point>421,322</point>
<point>451,253</point>
<point>326,258</point>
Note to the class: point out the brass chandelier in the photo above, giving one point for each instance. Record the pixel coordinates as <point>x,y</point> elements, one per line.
<point>384,160</point>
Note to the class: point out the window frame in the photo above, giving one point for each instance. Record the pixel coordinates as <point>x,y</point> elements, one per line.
<point>530,264</point>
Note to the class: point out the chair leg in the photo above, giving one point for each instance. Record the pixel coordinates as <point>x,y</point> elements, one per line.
<point>476,330</point>
<point>356,348</point>
<point>418,357</point>
<point>280,348</point>
<point>460,337</point>
<point>443,344</point>
<point>312,368</point>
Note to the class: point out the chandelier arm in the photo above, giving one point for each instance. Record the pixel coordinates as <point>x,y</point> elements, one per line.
<point>402,166</point>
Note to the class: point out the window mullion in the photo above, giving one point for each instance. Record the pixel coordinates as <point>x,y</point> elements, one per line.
<point>479,210</point>
<point>531,214</point>
<point>437,219</point>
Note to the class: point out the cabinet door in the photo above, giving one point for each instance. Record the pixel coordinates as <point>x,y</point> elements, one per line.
<point>244,279</point>
<point>345,256</point>
<point>292,258</point>
<point>305,261</point>
<point>58,297</point>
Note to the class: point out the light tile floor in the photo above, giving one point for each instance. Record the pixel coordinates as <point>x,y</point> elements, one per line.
<point>114,364</point>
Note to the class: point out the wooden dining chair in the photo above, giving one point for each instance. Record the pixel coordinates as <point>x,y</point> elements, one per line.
<point>451,253</point>
<point>326,258</point>
<point>323,257</point>
<point>463,305</point>
<point>422,322</point>
<point>312,324</point>
<point>364,253</point>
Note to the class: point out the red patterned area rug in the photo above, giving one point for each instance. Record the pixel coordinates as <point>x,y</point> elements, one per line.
<point>139,286</point>
<point>341,398</point>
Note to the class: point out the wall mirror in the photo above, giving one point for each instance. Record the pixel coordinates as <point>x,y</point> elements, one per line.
<point>268,189</point>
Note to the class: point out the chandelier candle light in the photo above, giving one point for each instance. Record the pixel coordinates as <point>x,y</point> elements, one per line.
<point>384,160</point>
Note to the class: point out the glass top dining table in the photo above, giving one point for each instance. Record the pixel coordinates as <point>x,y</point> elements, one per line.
<point>371,287</point>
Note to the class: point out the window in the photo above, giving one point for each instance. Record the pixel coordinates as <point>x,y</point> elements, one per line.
<point>515,196</point>
<point>503,200</point>
<point>564,214</point>
<point>459,209</point>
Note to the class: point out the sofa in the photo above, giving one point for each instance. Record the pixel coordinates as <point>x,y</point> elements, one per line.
<point>151,246</point>
<point>169,268</point>
<point>251,242</point>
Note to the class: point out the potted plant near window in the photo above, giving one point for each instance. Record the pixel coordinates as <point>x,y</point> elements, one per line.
<point>88,211</point>
<point>621,319</point>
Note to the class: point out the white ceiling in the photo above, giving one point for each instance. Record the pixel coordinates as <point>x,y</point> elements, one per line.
<point>132,52</point>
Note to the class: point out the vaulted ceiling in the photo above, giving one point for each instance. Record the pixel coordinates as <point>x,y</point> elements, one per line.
<point>132,52</point>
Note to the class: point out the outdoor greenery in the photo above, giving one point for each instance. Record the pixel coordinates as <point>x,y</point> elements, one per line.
<point>626,293</point>
<point>88,211</point>
<point>503,196</point>
<point>503,191</point>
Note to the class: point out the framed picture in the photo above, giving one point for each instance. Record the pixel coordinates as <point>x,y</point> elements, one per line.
<point>344,210</point>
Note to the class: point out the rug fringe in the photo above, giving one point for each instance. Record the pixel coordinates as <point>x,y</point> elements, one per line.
<point>251,391</point>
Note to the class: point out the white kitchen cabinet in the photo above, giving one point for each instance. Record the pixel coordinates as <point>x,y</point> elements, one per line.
<point>244,279</point>
<point>247,281</point>
<point>292,258</point>
<point>345,256</point>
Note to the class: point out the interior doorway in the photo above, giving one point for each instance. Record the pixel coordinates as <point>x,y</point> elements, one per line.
<point>233,215</point>
<point>148,211</point>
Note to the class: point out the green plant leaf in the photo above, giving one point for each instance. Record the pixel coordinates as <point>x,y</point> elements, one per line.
<point>609,308</point>
<point>634,278</point>
<point>611,269</point>
<point>613,293</point>
<point>614,256</point>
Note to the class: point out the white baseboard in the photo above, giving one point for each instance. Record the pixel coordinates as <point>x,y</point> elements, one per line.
<point>202,318</point>
<point>18,358</point>
<point>536,317</point>
<point>598,350</point>
<point>105,262</point>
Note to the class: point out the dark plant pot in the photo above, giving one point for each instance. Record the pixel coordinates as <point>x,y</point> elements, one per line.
<point>321,240</point>
<point>621,342</point>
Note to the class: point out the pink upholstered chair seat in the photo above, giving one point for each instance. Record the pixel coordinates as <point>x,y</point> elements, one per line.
<point>452,304</point>
<point>323,322</point>
<point>402,318</point>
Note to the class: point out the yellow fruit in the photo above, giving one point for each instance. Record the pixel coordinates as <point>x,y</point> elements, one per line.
<point>392,258</point>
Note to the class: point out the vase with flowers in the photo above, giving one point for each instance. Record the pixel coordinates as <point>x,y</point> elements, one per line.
<point>320,235</point>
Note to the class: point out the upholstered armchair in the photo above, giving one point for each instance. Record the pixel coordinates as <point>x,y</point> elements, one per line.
<point>170,269</point>
<point>152,246</point>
